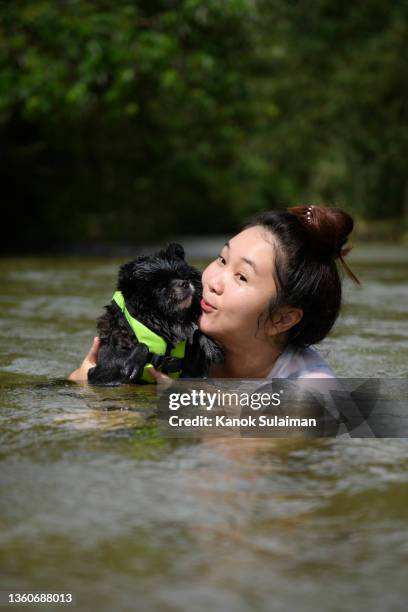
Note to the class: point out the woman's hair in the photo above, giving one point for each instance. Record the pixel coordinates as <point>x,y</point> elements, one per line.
<point>308,241</point>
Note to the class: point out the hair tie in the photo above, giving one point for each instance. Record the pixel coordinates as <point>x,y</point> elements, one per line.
<point>309,214</point>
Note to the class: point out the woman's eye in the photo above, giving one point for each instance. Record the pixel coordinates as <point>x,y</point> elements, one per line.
<point>242,278</point>
<point>221,260</point>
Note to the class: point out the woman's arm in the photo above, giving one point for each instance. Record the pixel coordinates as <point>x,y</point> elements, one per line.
<point>90,361</point>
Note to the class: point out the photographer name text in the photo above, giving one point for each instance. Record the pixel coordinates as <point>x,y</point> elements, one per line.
<point>249,421</point>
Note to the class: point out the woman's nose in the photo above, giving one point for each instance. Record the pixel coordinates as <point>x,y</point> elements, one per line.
<point>216,284</point>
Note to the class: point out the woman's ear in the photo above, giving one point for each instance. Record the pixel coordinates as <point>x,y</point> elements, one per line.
<point>284,319</point>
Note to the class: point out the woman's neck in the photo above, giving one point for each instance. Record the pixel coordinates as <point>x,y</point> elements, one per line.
<point>248,362</point>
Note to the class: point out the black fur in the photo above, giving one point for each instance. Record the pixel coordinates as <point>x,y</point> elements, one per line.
<point>164,293</point>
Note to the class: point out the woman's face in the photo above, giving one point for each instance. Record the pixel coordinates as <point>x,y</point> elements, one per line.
<point>238,286</point>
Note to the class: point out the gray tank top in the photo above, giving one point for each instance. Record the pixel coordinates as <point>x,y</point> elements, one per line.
<point>301,363</point>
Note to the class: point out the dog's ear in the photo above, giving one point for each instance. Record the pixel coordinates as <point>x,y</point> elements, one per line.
<point>129,273</point>
<point>175,251</point>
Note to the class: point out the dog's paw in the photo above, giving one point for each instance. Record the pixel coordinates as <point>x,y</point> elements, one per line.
<point>91,375</point>
<point>132,369</point>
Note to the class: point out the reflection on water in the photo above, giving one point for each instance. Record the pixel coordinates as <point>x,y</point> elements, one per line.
<point>95,502</point>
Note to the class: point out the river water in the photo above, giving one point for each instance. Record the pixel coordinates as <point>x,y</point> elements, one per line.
<point>95,502</point>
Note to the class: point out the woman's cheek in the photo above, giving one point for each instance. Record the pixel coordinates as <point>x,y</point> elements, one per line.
<point>206,274</point>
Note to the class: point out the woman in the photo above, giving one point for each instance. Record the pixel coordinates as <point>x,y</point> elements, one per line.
<point>273,291</point>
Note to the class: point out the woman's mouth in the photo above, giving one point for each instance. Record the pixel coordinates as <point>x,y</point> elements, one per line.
<point>206,306</point>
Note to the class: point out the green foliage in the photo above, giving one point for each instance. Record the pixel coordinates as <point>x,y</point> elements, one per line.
<point>338,96</point>
<point>135,119</point>
<point>143,106</point>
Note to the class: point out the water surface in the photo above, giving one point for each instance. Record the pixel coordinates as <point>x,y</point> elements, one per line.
<point>95,502</point>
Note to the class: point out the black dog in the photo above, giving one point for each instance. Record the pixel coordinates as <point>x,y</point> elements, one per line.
<point>162,293</point>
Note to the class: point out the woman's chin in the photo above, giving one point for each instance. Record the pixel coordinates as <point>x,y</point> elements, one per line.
<point>204,323</point>
<point>208,327</point>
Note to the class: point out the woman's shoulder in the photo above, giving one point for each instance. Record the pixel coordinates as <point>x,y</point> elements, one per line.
<point>297,362</point>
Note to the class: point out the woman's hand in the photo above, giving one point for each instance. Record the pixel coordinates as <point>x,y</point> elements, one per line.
<point>90,361</point>
<point>161,378</point>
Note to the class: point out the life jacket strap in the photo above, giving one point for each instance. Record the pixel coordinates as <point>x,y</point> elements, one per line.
<point>165,363</point>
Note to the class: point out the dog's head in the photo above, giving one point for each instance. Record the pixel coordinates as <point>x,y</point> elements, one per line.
<point>162,286</point>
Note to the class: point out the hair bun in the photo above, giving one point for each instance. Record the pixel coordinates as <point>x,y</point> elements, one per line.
<point>328,229</point>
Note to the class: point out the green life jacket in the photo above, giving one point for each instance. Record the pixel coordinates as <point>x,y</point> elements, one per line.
<point>160,355</point>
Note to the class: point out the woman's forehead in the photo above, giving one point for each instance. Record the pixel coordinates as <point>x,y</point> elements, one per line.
<point>256,244</point>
